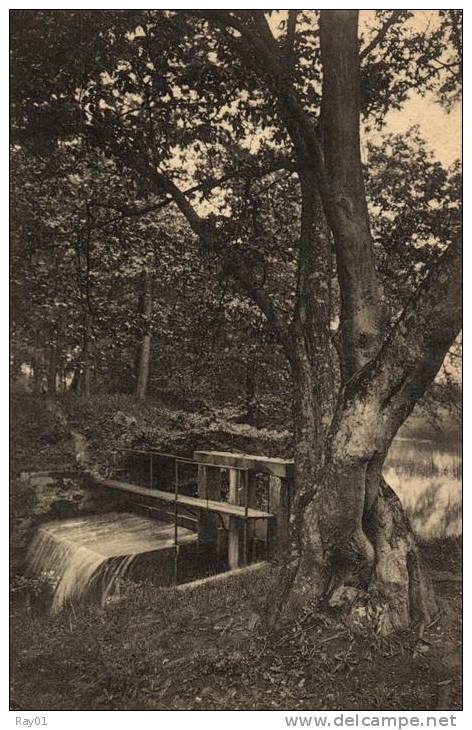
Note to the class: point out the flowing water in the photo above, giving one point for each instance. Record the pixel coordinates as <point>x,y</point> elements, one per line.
<point>426,475</point>
<point>93,551</point>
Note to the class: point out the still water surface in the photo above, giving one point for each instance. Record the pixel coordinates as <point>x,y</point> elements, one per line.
<point>427,477</point>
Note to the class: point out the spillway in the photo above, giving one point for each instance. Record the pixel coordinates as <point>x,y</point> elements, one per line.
<point>73,554</point>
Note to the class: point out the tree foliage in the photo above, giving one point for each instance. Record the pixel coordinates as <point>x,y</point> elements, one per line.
<point>221,150</point>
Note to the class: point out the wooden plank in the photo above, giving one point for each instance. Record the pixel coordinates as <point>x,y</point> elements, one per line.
<point>263,464</point>
<point>209,487</point>
<point>64,470</point>
<point>224,578</point>
<point>166,513</point>
<point>242,490</point>
<point>234,524</point>
<point>201,504</point>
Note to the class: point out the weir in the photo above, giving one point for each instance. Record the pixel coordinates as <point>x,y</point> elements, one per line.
<point>224,507</point>
<point>96,551</point>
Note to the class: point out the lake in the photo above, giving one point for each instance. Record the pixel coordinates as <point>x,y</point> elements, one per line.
<point>426,475</point>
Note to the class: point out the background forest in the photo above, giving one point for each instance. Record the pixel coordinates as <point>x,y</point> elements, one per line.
<point>159,208</point>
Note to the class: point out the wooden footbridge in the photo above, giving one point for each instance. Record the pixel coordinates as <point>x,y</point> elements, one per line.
<point>237,504</point>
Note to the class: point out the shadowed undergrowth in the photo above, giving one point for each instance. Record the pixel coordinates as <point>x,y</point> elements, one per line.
<point>167,649</point>
<point>205,649</point>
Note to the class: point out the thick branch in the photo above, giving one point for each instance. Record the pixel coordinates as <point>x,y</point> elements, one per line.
<point>380,398</point>
<point>361,309</point>
<point>418,344</point>
<point>336,165</point>
<point>208,233</point>
<point>236,266</point>
<point>213,240</point>
<point>257,49</point>
<point>232,262</point>
<point>312,315</point>
<point>290,39</point>
<point>126,211</point>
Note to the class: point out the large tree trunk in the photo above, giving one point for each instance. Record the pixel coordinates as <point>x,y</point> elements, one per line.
<point>145,353</point>
<point>350,542</point>
<point>352,533</point>
<point>362,311</point>
<point>357,556</point>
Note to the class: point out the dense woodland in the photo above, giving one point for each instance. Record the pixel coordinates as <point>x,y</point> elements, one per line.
<point>199,210</point>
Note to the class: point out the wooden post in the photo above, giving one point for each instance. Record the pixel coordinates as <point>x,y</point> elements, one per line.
<point>209,487</point>
<point>280,473</point>
<point>252,527</point>
<point>234,523</point>
<point>241,533</point>
<point>280,495</point>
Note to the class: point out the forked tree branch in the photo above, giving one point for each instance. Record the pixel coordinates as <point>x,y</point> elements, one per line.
<point>411,356</point>
<point>379,37</point>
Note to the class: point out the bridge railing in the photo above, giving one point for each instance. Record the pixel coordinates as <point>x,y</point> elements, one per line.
<point>235,532</point>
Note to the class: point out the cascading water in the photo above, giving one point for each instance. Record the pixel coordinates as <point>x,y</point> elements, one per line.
<point>98,549</point>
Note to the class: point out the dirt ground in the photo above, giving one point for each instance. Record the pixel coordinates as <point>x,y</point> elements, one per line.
<point>172,651</point>
<point>163,649</point>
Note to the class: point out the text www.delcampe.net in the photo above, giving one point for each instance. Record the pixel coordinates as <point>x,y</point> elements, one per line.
<point>384,721</point>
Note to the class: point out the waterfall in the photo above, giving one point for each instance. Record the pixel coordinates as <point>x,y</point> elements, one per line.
<point>98,549</point>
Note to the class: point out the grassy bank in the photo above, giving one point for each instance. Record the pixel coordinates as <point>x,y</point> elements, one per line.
<point>167,649</point>
<point>206,649</point>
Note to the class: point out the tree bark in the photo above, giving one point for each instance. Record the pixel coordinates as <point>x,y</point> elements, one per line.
<point>75,382</point>
<point>145,353</point>
<point>347,528</point>
<point>52,370</point>
<point>353,530</point>
<point>250,389</point>
<point>86,388</point>
<point>350,542</point>
<point>361,316</point>
<point>39,370</point>
<point>86,371</point>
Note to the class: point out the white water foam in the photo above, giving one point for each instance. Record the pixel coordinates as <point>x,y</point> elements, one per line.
<point>97,548</point>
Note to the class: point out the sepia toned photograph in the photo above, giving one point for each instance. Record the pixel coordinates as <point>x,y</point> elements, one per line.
<point>236,362</point>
